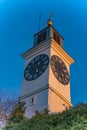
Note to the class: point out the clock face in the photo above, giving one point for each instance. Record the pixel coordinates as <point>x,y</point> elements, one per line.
<point>60,70</point>
<point>36,67</point>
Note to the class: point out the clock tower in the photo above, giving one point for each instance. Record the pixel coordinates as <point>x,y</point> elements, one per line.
<point>46,78</point>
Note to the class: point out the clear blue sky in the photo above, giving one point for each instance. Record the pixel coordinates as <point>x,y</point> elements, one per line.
<point>18,23</point>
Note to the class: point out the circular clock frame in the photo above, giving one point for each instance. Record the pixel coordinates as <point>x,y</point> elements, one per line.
<point>60,70</point>
<point>36,67</point>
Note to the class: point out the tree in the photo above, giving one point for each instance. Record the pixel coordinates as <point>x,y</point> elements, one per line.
<point>71,119</point>
<point>7,102</point>
<point>17,115</point>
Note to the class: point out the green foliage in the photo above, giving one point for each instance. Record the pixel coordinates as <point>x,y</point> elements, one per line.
<point>73,119</point>
<point>16,116</point>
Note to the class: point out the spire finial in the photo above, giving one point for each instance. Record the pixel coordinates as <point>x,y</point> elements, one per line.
<point>50,20</point>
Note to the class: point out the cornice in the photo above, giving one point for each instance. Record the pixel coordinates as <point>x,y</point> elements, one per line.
<point>33,92</point>
<point>36,49</point>
<point>45,45</point>
<point>61,52</point>
<point>44,88</point>
<point>60,95</point>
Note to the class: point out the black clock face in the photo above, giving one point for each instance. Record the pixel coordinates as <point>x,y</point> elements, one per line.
<point>60,70</point>
<point>36,67</point>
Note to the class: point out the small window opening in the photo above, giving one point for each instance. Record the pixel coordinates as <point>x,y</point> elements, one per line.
<point>56,38</point>
<point>33,100</point>
<point>41,37</point>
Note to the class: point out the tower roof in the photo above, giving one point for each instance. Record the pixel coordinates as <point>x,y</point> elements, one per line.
<point>48,33</point>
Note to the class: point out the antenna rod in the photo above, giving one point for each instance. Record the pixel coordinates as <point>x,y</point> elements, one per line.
<point>39,22</point>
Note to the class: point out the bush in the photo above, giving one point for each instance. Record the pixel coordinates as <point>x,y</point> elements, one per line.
<point>72,119</point>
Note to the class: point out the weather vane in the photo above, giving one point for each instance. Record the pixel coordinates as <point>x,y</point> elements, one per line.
<point>51,15</point>
<point>50,19</point>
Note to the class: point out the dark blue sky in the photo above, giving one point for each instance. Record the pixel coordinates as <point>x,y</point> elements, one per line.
<point>19,21</point>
